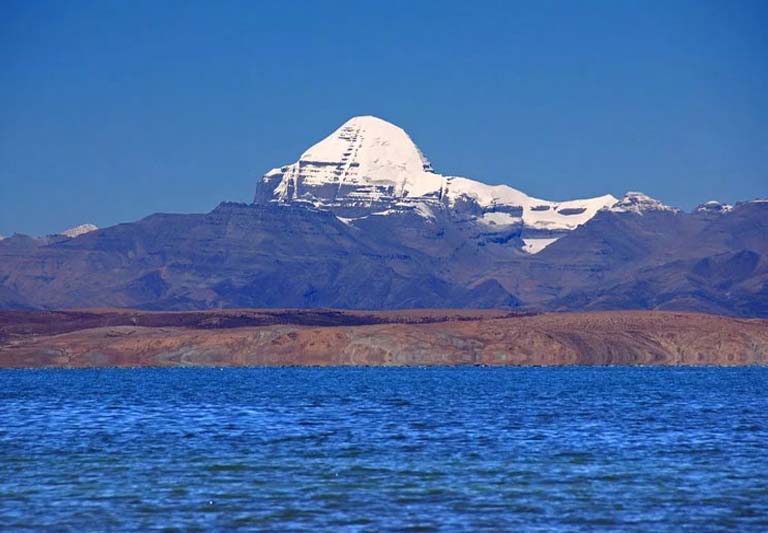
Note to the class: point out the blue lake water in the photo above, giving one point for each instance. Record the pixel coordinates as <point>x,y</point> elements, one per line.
<point>570,449</point>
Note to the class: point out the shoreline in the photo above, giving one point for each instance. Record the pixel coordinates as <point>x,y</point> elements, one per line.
<point>384,367</point>
<point>126,338</point>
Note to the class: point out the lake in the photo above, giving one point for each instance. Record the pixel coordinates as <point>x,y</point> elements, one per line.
<point>356,449</point>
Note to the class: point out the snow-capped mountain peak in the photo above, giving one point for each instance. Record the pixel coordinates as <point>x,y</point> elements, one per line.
<point>373,149</point>
<point>713,206</point>
<point>366,157</point>
<point>370,167</point>
<point>639,203</point>
<point>79,230</point>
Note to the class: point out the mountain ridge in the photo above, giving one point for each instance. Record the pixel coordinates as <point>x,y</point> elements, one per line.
<point>435,248</point>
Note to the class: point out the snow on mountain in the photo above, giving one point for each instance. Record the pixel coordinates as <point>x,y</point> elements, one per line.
<point>639,203</point>
<point>367,162</point>
<point>534,246</point>
<point>371,167</point>
<point>369,152</point>
<point>79,230</point>
<point>533,212</point>
<point>713,206</point>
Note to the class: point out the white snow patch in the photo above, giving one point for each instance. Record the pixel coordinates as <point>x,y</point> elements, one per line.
<point>79,230</point>
<point>534,246</point>
<point>565,215</point>
<point>500,219</point>
<point>423,209</point>
<point>485,195</point>
<point>537,213</point>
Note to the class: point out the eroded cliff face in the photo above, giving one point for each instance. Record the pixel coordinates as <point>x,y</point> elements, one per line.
<point>403,338</point>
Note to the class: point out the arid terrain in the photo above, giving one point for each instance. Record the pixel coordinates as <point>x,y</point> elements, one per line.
<point>128,338</point>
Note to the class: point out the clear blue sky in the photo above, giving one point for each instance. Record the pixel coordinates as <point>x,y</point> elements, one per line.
<point>112,110</point>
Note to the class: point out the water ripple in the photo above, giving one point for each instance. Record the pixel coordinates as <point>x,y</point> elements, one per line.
<point>630,449</point>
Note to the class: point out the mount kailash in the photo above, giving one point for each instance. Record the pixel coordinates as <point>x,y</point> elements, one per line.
<point>362,220</point>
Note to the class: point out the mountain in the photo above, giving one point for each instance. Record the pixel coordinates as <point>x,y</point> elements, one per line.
<point>712,262</point>
<point>362,221</point>
<point>236,256</point>
<point>79,230</point>
<point>369,167</point>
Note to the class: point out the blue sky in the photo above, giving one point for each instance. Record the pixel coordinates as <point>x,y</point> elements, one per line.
<point>113,110</point>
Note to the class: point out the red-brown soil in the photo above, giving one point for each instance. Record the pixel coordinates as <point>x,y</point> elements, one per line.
<point>256,337</point>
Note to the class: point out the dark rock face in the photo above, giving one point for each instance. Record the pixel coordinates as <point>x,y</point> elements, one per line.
<point>278,255</point>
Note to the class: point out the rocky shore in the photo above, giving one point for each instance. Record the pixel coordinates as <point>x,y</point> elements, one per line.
<point>129,338</point>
